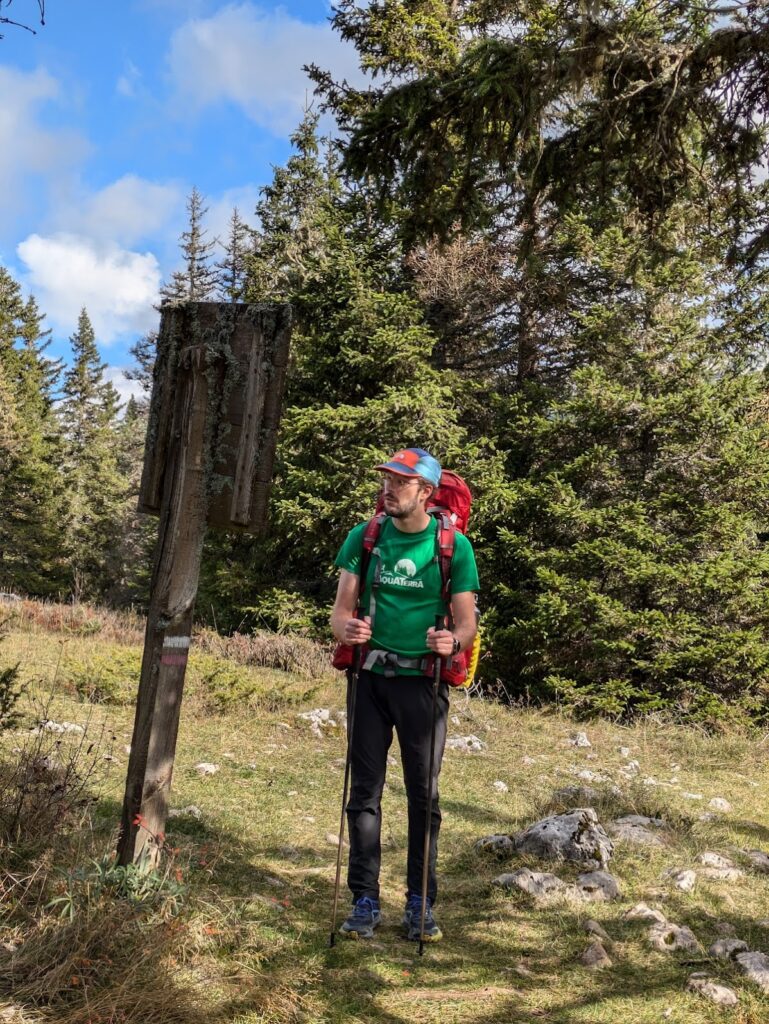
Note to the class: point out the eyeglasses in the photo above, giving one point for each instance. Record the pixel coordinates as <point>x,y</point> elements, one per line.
<point>397,483</point>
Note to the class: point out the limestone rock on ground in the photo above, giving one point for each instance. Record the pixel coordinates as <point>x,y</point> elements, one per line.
<point>500,846</point>
<point>722,874</point>
<point>710,859</point>
<point>598,886</point>
<point>205,768</point>
<point>756,968</point>
<point>759,860</point>
<point>682,878</point>
<point>191,811</point>
<point>670,938</point>
<point>574,795</point>
<point>594,928</point>
<point>719,804</point>
<point>579,739</point>
<point>536,883</point>
<point>468,744</point>
<point>725,929</point>
<point>643,912</point>
<point>595,956</point>
<point>577,835</point>
<point>705,986</point>
<point>501,787</point>
<point>634,828</point>
<point>727,948</point>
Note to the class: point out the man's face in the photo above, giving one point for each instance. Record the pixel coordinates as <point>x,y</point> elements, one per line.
<point>402,494</point>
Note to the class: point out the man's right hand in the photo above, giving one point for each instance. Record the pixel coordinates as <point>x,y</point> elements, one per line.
<point>357,631</point>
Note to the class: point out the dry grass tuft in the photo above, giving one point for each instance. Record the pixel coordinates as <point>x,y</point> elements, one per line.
<point>281,651</point>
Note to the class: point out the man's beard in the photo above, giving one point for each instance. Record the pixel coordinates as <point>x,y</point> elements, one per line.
<point>404,510</point>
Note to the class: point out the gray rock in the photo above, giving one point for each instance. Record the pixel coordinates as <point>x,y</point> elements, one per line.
<point>577,835</point>
<point>579,739</point>
<point>500,846</point>
<point>536,883</point>
<point>670,938</point>
<point>191,811</point>
<point>588,776</point>
<point>624,751</point>
<point>642,912</point>
<point>594,928</point>
<point>528,761</point>
<point>692,796</point>
<point>722,874</point>
<point>598,886</point>
<point>714,860</point>
<point>705,986</point>
<point>756,967</point>
<point>719,804</point>
<point>468,744</point>
<point>631,768</point>
<point>636,834</point>
<point>682,878</point>
<point>725,949</point>
<point>758,860</point>
<point>501,787</point>
<point>595,956</point>
<point>640,820</point>
<point>205,768</point>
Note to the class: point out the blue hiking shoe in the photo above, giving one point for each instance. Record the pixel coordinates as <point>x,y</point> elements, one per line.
<point>412,917</point>
<point>365,917</point>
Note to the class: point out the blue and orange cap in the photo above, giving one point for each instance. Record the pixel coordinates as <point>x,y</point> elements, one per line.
<point>414,462</point>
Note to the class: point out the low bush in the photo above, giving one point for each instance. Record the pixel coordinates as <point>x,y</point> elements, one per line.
<point>107,675</point>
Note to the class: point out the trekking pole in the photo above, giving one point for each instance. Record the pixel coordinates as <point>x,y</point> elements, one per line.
<point>429,817</point>
<point>354,673</point>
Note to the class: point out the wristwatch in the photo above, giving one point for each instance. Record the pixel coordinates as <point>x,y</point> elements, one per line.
<point>457,646</point>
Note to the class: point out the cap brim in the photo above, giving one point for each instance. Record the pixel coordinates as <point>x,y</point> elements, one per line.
<point>397,468</point>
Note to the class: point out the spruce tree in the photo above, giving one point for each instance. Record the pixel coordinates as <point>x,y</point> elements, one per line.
<point>31,559</point>
<point>233,267</point>
<point>198,280</point>
<point>95,487</point>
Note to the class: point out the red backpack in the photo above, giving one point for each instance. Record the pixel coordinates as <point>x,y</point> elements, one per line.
<point>450,503</point>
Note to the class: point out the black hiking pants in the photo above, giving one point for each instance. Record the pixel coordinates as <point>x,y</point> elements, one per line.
<point>402,703</point>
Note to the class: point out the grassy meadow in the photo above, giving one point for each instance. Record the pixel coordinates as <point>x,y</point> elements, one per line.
<point>234,925</point>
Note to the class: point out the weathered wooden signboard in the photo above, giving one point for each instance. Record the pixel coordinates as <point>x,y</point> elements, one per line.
<point>217,392</point>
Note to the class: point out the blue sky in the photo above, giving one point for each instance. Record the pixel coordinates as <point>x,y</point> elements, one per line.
<point>112,112</point>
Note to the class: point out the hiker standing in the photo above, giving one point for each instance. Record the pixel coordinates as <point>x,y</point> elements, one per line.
<point>403,593</point>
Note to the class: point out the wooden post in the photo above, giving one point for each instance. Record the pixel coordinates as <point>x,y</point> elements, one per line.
<point>214,413</point>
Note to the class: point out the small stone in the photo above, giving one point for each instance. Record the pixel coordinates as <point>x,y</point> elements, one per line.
<point>650,781</point>
<point>500,846</point>
<point>587,776</point>
<point>309,819</point>
<point>725,949</point>
<point>598,886</point>
<point>640,819</point>
<point>758,860</point>
<point>704,986</point>
<point>528,761</point>
<point>573,795</point>
<point>292,792</point>
<point>579,739</point>
<point>756,967</point>
<point>205,768</point>
<point>333,840</point>
<point>468,744</point>
<point>637,834</point>
<point>594,928</point>
<point>501,787</point>
<point>719,804</point>
<point>523,971</point>
<point>455,720</point>
<point>191,811</point>
<point>763,923</point>
<point>595,956</point>
<point>722,874</point>
<point>642,912</point>
<point>536,883</point>
<point>714,860</point>
<point>683,879</point>
<point>624,751</point>
<point>669,938</point>
<point>692,796</point>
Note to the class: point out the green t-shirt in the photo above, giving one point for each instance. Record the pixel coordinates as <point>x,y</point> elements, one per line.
<point>409,593</point>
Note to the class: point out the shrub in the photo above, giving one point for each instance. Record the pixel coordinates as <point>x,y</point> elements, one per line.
<point>108,675</point>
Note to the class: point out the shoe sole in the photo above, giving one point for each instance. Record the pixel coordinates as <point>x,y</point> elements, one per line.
<point>353,933</point>
<point>415,937</point>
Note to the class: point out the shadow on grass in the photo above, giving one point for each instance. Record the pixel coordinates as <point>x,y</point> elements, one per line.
<point>267,908</point>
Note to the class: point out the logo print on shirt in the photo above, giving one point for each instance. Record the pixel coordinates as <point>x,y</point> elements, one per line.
<point>402,575</point>
<point>406,568</point>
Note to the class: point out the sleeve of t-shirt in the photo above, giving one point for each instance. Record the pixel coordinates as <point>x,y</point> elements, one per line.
<point>464,572</point>
<point>350,552</point>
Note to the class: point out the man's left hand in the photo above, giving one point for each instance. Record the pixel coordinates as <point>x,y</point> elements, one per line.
<point>440,641</point>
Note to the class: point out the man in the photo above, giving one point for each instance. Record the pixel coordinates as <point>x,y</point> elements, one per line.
<point>393,691</point>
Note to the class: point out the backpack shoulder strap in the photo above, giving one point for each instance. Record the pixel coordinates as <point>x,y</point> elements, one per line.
<point>370,537</point>
<point>445,540</point>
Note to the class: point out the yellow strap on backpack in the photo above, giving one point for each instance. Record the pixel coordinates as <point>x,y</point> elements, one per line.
<point>472,661</point>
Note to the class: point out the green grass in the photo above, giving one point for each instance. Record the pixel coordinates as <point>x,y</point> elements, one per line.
<point>251,944</point>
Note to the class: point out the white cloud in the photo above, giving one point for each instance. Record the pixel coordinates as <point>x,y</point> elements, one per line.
<point>27,148</point>
<point>126,212</point>
<point>129,82</point>
<point>118,287</point>
<point>254,58</point>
